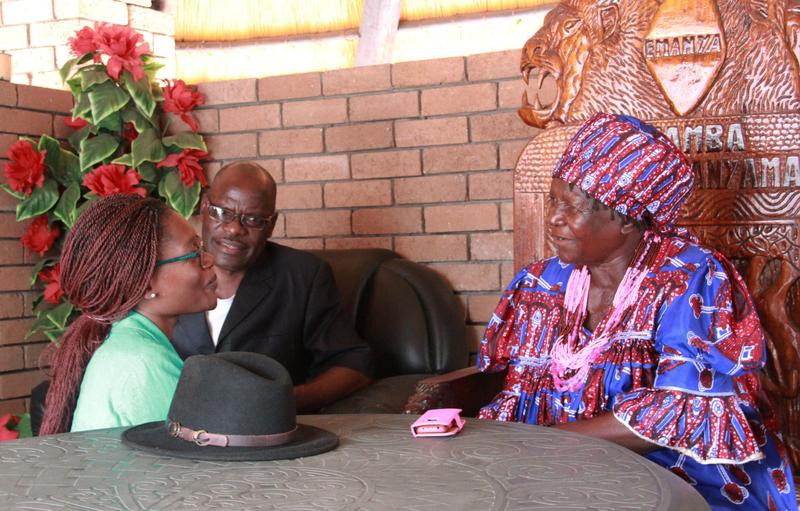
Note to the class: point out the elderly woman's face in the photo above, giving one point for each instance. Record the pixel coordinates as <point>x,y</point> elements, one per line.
<point>580,234</point>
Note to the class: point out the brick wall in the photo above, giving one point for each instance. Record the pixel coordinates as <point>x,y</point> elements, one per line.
<point>35,33</point>
<point>416,157</point>
<point>31,111</point>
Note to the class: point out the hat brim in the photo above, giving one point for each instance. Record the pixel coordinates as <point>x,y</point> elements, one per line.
<point>154,438</point>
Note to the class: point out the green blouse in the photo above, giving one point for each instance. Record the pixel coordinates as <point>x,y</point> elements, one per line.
<point>130,379</point>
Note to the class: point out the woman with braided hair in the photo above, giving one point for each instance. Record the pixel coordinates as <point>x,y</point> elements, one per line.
<point>636,333</point>
<point>130,266</point>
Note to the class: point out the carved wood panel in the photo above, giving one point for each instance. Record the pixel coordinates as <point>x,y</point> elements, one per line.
<point>719,77</point>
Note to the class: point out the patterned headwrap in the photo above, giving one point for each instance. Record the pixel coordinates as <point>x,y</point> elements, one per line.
<point>629,166</point>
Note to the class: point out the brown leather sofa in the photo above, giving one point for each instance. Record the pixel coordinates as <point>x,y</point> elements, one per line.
<point>405,311</point>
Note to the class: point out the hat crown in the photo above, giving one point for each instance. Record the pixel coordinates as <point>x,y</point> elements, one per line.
<point>234,393</point>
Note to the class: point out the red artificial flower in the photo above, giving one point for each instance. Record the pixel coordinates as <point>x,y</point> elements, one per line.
<point>129,132</point>
<point>39,236</point>
<point>110,179</point>
<point>26,168</point>
<point>75,123</point>
<point>8,421</point>
<point>84,42</point>
<point>124,46</point>
<point>188,163</point>
<point>52,277</point>
<point>181,99</point>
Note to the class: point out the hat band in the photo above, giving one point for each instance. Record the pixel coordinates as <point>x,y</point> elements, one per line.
<point>203,438</point>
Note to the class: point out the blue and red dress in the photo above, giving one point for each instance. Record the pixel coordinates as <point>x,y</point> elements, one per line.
<point>680,371</point>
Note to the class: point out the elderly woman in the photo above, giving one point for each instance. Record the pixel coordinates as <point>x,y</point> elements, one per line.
<point>634,333</point>
<point>131,266</point>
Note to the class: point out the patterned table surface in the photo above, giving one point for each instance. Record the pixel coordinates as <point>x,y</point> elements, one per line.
<point>377,466</point>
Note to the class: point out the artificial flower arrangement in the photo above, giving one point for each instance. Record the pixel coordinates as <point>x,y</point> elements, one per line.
<point>120,145</point>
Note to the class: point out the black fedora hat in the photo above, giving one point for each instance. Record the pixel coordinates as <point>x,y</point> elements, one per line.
<point>233,406</point>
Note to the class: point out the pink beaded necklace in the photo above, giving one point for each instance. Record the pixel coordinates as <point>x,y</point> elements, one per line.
<point>570,366</point>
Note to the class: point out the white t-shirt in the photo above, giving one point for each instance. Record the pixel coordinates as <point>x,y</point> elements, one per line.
<point>216,317</point>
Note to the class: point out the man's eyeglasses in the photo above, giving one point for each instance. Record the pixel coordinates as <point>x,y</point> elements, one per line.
<point>205,260</point>
<point>227,216</point>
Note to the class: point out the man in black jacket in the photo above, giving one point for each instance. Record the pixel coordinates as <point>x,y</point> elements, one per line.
<point>272,299</point>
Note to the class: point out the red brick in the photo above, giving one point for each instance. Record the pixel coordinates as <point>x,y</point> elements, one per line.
<point>356,79</point>
<point>10,252</point>
<point>33,355</point>
<point>509,153</point>
<point>14,37</point>
<point>232,91</point>
<point>12,331</point>
<point>9,227</point>
<point>289,86</point>
<point>6,141</point>
<point>208,119</point>
<point>280,227</point>
<point>385,164</point>
<point>11,305</point>
<point>461,98</point>
<point>303,243</point>
<point>507,216</point>
<point>492,246</point>
<point>211,168</point>
<point>151,20</point>
<point>61,130</point>
<point>11,358</point>
<point>474,334</point>
<point>319,111</point>
<point>15,278</point>
<point>509,93</point>
<point>317,223</point>
<point>500,126</point>
<point>243,145</point>
<point>428,72</point>
<point>481,307</point>
<point>456,218</point>
<point>21,12</point>
<point>39,98</point>
<point>54,33</point>
<point>32,60</point>
<point>25,122</point>
<point>354,242</point>
<point>447,247</point>
<point>355,137</point>
<point>296,141</point>
<point>449,130</point>
<point>507,272</point>
<point>299,197</point>
<point>469,276</point>
<point>489,66</point>
<point>316,168</point>
<point>387,220</point>
<point>250,118</point>
<point>8,93</point>
<point>15,406</point>
<point>491,185</point>
<point>460,158</point>
<point>20,384</point>
<point>384,106</point>
<point>374,192</point>
<point>430,189</point>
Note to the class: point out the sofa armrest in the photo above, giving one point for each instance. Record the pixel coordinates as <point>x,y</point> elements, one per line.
<point>468,389</point>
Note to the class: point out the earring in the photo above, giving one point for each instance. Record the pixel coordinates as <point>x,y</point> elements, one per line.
<point>152,295</point>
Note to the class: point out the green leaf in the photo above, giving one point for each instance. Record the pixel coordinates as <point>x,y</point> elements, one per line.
<point>180,198</point>
<point>82,107</point>
<point>79,136</point>
<point>151,66</point>
<point>53,157</point>
<point>148,171</point>
<point>147,147</point>
<point>47,261</point>
<point>140,122</point>
<point>106,98</point>
<point>40,201</point>
<point>90,77</point>
<point>111,123</point>
<point>60,314</point>
<point>186,140</point>
<point>67,206</point>
<point>125,159</point>
<point>141,93</point>
<point>65,70</point>
<point>94,150</point>
<point>17,195</point>
<point>69,169</point>
<point>24,426</point>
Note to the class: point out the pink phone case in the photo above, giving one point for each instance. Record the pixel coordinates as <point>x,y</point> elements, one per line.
<point>438,422</point>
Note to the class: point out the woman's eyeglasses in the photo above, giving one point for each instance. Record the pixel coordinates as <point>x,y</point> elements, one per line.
<point>227,216</point>
<point>205,260</point>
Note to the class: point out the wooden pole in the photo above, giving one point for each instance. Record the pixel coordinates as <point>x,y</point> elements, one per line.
<point>379,21</point>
